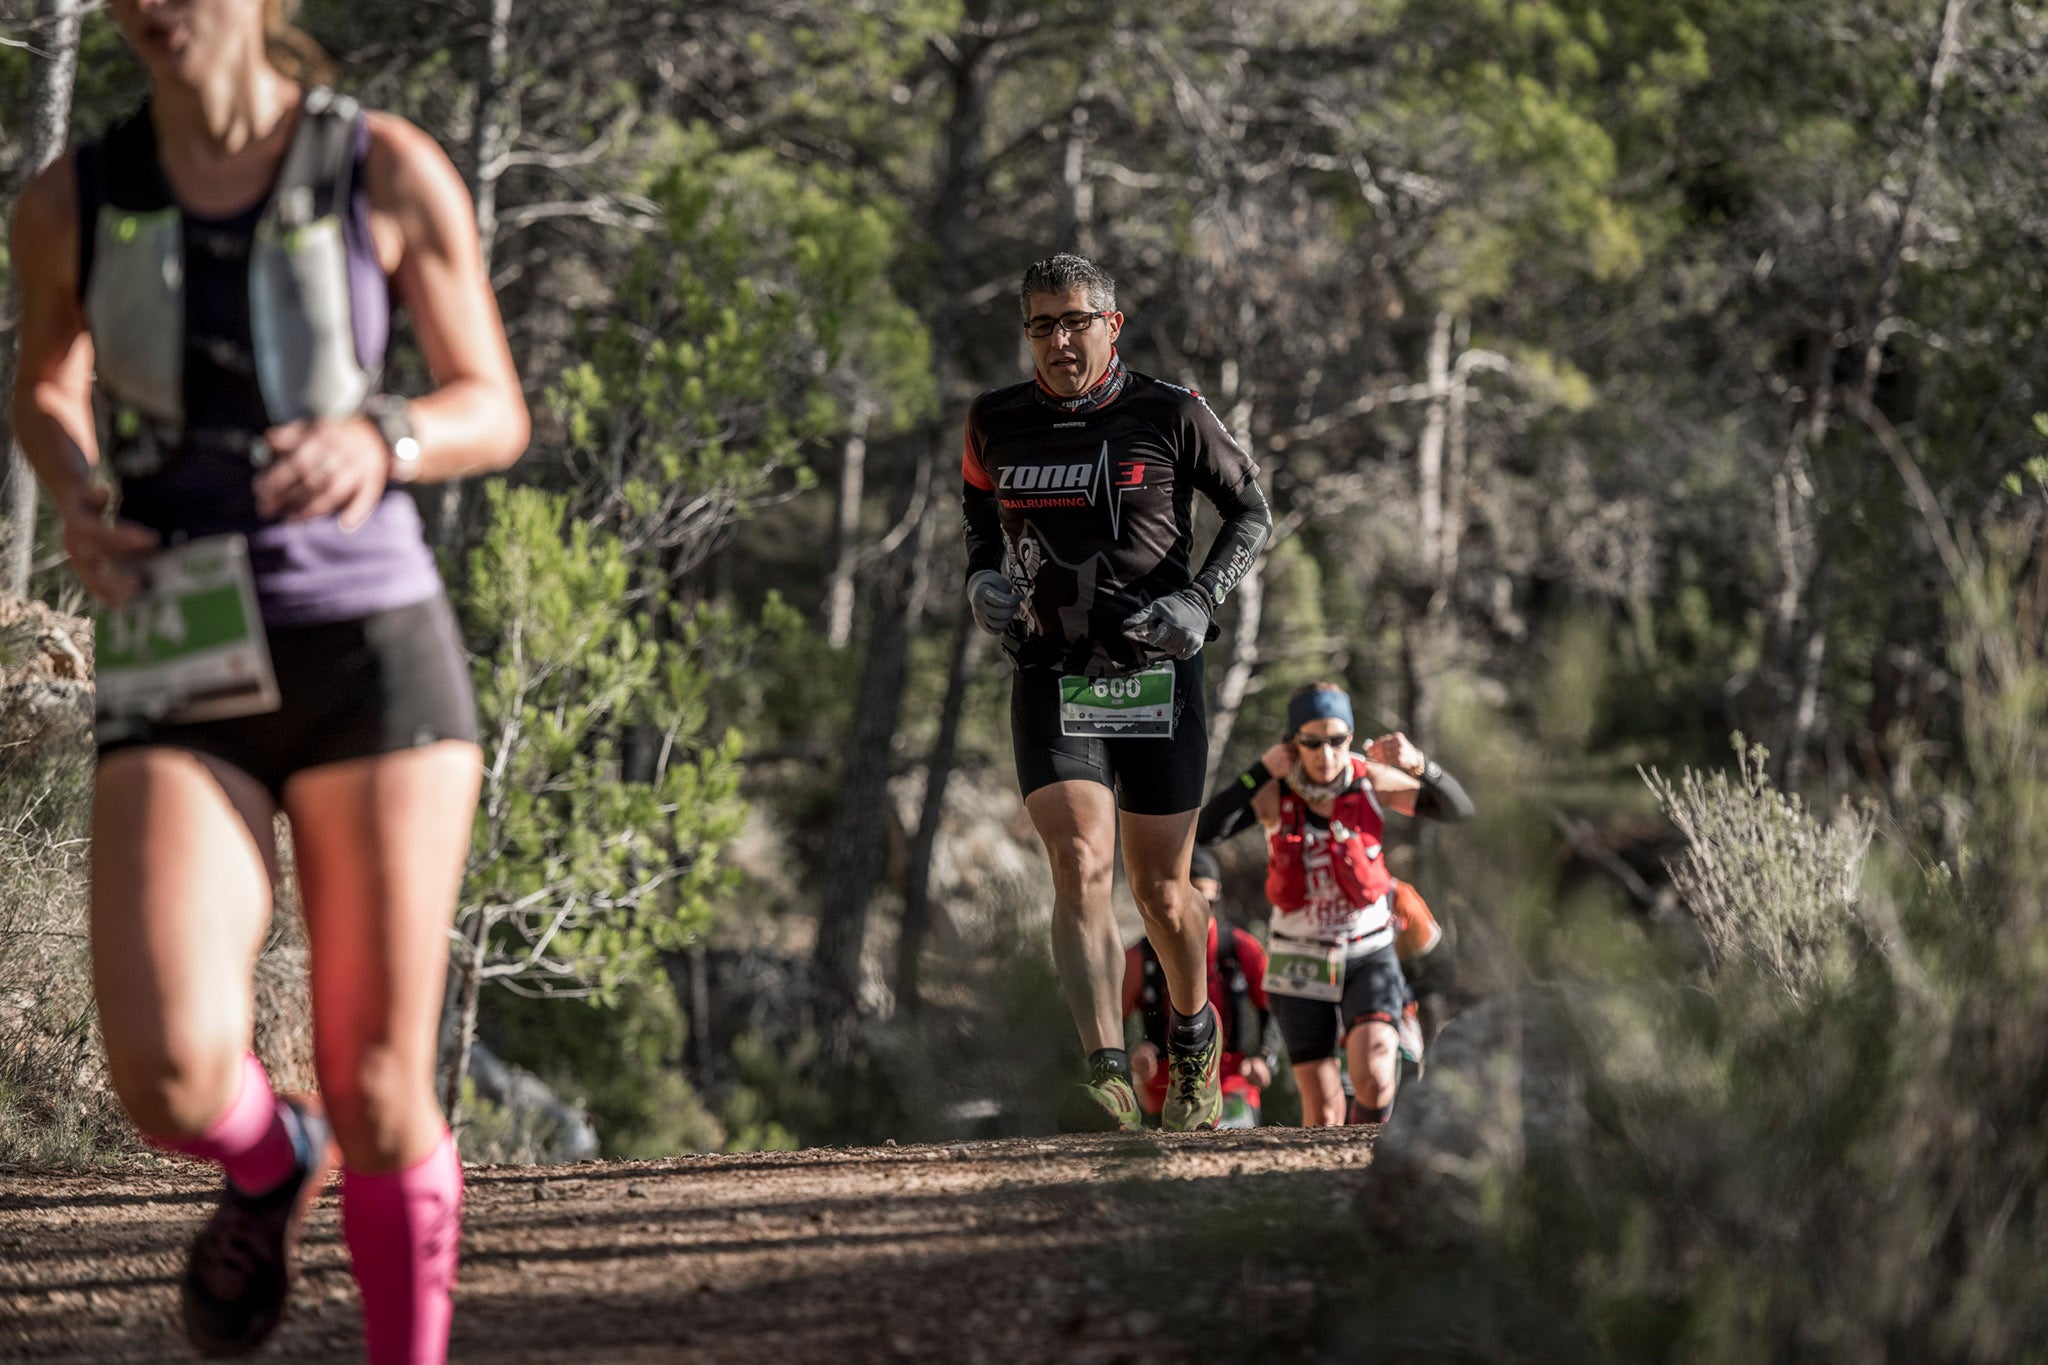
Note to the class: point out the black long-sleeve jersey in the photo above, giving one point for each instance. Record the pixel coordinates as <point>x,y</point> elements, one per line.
<point>1090,514</point>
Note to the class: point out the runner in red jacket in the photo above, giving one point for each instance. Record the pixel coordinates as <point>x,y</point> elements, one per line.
<point>1332,970</point>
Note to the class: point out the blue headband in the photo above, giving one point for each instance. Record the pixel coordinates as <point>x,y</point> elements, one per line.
<point>1321,704</point>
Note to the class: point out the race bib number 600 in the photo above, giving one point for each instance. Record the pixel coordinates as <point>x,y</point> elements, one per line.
<point>1136,706</point>
<point>189,646</point>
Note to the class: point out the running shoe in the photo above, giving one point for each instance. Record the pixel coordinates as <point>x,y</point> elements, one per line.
<point>1408,1030</point>
<point>240,1269</point>
<point>1194,1093</point>
<point>1106,1103</point>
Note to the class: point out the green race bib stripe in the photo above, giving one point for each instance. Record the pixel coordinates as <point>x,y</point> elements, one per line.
<point>155,632</point>
<point>190,647</point>
<point>1137,706</point>
<point>1151,688</point>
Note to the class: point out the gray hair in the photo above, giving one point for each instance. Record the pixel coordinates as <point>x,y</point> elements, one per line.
<point>1058,274</point>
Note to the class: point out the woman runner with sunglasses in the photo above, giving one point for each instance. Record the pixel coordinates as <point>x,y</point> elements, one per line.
<point>221,266</point>
<point>1332,977</point>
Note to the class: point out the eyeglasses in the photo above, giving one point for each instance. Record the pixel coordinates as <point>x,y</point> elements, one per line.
<point>1043,326</point>
<point>1314,742</point>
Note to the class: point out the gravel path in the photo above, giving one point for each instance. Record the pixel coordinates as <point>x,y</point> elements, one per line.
<point>1015,1251</point>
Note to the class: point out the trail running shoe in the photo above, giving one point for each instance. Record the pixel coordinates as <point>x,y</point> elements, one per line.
<point>1194,1094</point>
<point>1408,1030</point>
<point>240,1269</point>
<point>1107,1103</point>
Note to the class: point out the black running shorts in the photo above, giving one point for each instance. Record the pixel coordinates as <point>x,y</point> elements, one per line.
<point>349,689</point>
<point>1374,991</point>
<point>1149,776</point>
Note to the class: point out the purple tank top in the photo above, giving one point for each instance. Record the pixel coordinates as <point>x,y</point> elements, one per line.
<point>306,572</point>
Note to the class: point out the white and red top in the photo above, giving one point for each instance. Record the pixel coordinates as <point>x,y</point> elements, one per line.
<point>1329,883</point>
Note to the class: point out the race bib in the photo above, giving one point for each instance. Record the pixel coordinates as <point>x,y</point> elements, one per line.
<point>188,647</point>
<point>1137,706</point>
<point>1308,971</point>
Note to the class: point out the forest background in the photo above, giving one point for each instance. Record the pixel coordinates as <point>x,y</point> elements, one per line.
<point>1626,377</point>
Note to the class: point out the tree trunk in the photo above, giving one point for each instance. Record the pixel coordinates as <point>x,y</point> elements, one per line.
<point>1236,682</point>
<point>700,1015</point>
<point>1795,542</point>
<point>487,156</point>
<point>49,118</point>
<point>1884,293</point>
<point>858,829</point>
<point>1423,644</point>
<point>839,584</point>
<point>938,775</point>
<point>1429,454</point>
<point>1077,191</point>
<point>1812,654</point>
<point>472,989</point>
<point>1451,525</point>
<point>859,823</point>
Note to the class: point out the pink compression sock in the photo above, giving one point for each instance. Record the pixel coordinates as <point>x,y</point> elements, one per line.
<point>403,1231</point>
<point>250,1139</point>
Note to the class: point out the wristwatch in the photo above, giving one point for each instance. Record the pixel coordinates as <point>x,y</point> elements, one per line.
<point>387,412</point>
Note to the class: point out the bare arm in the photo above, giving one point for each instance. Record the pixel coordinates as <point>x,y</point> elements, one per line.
<point>1394,788</point>
<point>53,386</point>
<point>1407,781</point>
<point>476,420</point>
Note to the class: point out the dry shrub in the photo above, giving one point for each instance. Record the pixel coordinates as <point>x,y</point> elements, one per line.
<point>284,1006</point>
<point>1767,883</point>
<point>57,1106</point>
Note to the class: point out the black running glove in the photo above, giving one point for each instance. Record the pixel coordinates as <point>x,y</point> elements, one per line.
<point>992,600</point>
<point>1175,625</point>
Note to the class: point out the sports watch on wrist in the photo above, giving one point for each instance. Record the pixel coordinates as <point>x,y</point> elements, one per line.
<point>387,412</point>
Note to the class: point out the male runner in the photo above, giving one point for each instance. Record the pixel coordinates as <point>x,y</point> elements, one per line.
<point>1096,467</point>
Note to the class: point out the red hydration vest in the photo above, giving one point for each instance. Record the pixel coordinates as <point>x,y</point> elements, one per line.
<point>1353,844</point>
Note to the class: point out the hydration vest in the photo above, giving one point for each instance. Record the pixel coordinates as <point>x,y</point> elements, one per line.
<point>1356,862</point>
<point>301,311</point>
<point>1241,1023</point>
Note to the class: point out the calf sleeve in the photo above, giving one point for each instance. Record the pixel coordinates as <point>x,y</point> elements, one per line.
<point>404,1230</point>
<point>252,1138</point>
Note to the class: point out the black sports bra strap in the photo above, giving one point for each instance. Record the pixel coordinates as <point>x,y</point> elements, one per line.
<point>85,170</point>
<point>316,178</point>
<point>121,169</point>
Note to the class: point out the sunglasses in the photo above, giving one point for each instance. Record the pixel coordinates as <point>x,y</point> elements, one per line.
<point>1042,326</point>
<point>1323,741</point>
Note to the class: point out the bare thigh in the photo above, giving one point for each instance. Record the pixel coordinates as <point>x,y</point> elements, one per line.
<point>381,843</point>
<point>1077,823</point>
<point>182,865</point>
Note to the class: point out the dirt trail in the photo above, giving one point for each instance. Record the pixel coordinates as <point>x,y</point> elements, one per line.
<point>1014,1251</point>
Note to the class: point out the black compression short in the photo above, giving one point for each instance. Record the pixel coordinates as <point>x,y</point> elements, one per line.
<point>1149,776</point>
<point>1374,991</point>
<point>349,689</point>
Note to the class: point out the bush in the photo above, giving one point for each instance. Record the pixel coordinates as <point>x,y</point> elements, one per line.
<point>56,1109</point>
<point>1827,1141</point>
<point>1767,884</point>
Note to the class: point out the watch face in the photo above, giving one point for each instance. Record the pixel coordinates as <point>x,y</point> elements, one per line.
<point>405,450</point>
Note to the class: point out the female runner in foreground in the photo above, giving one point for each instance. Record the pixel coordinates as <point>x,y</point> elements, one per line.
<point>1332,976</point>
<point>222,264</point>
